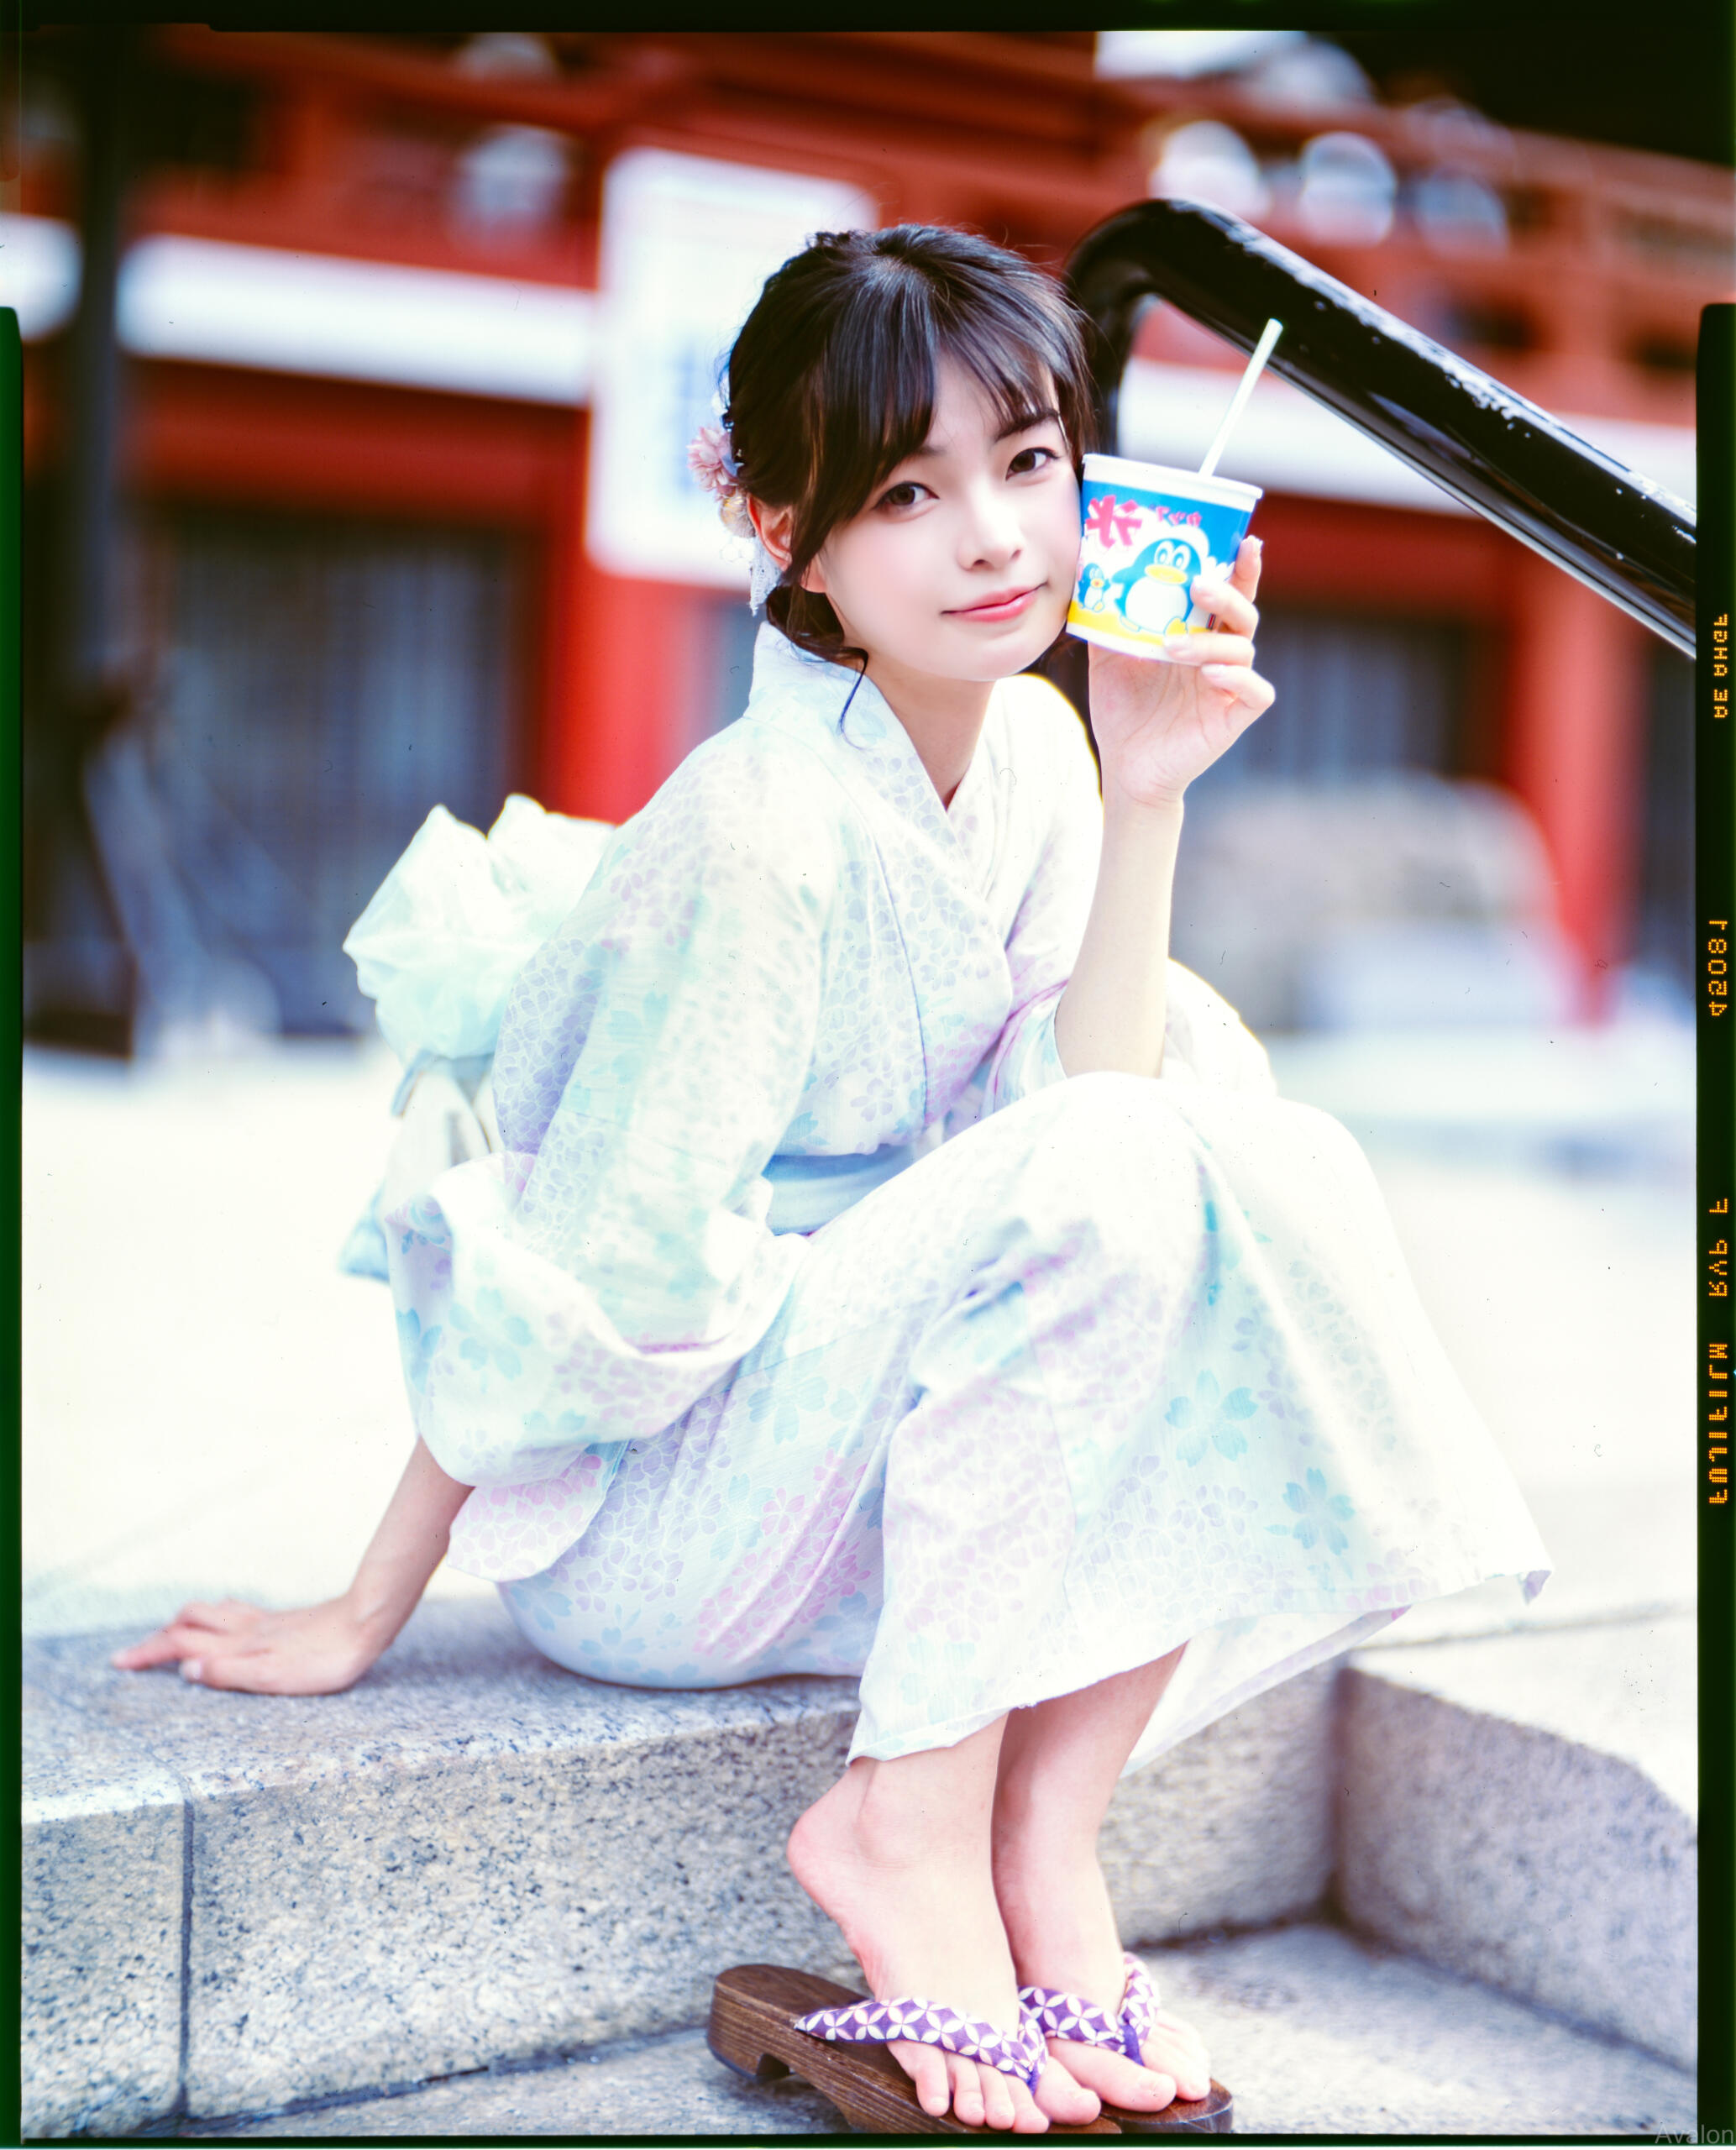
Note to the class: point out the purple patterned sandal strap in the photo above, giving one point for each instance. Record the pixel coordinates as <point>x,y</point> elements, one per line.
<point>1071,2017</point>
<point>1138,2004</point>
<point>1021,2053</point>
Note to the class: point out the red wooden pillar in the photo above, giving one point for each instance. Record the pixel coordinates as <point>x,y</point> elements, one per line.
<point>1574,755</point>
<point>619,659</point>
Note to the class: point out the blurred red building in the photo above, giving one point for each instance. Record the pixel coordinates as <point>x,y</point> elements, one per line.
<point>332,571</point>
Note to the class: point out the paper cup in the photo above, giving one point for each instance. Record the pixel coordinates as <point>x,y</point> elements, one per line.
<point>1148,531</point>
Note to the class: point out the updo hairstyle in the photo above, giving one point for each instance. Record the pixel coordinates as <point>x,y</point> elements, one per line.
<point>831,381</point>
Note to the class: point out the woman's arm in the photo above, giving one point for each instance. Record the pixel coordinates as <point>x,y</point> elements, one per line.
<point>319,1649</point>
<point>1112,1013</point>
<point>1157,726</point>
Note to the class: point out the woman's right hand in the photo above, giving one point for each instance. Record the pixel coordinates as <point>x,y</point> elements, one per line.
<point>318,1649</point>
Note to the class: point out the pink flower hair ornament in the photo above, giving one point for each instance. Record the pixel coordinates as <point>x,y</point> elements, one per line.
<point>712,461</point>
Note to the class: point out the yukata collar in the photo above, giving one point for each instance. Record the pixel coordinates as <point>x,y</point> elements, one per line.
<point>847,700</point>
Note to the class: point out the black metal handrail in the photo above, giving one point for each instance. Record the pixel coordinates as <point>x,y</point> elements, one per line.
<point>1630,540</point>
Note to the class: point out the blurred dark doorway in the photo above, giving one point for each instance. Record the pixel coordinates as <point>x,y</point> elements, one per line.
<point>1356,696</point>
<point>322,685</point>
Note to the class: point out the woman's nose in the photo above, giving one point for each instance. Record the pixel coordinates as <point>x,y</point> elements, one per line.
<point>992,531</point>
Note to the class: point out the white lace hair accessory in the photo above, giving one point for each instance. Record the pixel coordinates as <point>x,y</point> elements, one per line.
<point>712,461</point>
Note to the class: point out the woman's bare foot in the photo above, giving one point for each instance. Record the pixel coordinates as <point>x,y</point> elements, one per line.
<point>897,1853</point>
<point>1061,1925</point>
<point>1059,1765</point>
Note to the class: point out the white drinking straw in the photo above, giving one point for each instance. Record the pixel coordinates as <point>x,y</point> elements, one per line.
<point>1262,351</point>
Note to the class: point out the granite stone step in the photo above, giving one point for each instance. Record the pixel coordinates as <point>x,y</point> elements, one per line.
<point>236,1902</point>
<point>475,1861</point>
<point>1316,2032</point>
<point>1522,1808</point>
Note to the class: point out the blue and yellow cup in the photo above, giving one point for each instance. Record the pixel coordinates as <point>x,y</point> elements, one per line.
<point>1147,532</point>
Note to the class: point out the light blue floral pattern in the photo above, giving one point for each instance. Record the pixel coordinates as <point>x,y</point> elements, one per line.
<point>811,1319</point>
<point>1320,1515</point>
<point>1209,1415</point>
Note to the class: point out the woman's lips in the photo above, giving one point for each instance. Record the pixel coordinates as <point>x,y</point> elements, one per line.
<point>1008,604</point>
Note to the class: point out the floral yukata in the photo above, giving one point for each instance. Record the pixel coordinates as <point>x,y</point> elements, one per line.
<point>810,1318</point>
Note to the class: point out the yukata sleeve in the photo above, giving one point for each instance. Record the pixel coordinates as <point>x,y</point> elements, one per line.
<point>1050,924</point>
<point>442,939</point>
<point>582,1288</point>
<point>1204,1039</point>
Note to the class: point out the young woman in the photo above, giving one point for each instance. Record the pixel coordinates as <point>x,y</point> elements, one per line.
<point>894,1264</point>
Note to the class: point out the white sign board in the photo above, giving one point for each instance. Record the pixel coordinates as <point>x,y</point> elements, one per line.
<point>687,242</point>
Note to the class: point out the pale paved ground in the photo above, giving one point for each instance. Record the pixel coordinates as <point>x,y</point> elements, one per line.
<point>1312,2032</point>
<point>211,1408</point>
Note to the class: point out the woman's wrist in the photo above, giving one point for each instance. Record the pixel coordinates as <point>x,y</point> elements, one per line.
<point>390,1582</point>
<point>1158,809</point>
<point>406,1550</point>
<point>377,1606</point>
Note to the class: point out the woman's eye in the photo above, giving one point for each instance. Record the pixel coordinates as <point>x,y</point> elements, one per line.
<point>902,495</point>
<point>1030,458</point>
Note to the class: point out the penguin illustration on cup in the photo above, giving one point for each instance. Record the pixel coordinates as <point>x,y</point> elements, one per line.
<point>1094,590</point>
<point>1154,595</point>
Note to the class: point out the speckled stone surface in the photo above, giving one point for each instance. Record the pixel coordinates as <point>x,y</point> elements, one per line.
<point>1522,1809</point>
<point>1314,2032</point>
<point>100,1906</point>
<point>1175,1842</point>
<point>670,2085</point>
<point>473,1856</point>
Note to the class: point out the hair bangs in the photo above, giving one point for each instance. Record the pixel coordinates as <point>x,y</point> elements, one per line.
<point>876,394</point>
<point>872,398</point>
<point>834,378</point>
<point>1022,383</point>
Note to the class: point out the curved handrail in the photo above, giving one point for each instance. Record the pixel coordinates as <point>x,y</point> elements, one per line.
<point>1629,539</point>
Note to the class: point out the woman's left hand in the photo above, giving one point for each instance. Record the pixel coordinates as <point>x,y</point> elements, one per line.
<point>319,1649</point>
<point>1158,724</point>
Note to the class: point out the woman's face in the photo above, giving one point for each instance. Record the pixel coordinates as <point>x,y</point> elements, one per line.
<point>961,565</point>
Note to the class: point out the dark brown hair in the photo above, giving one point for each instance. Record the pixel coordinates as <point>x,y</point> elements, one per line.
<point>832,381</point>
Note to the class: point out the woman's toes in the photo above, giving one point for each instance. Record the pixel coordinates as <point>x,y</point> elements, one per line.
<point>966,2086</point>
<point>927,2071</point>
<point>1062,2098</point>
<point>1115,2078</point>
<point>1172,2027</point>
<point>1028,2117</point>
<point>1143,2090</point>
<point>1180,2053</point>
<point>997,2095</point>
